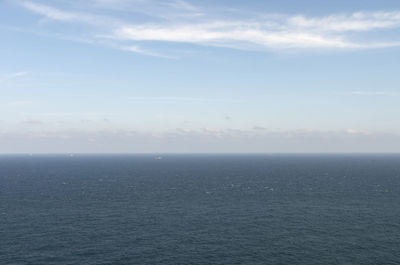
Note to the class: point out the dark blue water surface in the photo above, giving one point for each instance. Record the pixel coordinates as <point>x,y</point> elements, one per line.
<point>200,209</point>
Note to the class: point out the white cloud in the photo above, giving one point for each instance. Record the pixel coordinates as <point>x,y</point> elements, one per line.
<point>282,31</point>
<point>200,140</point>
<point>357,132</point>
<point>238,36</point>
<point>359,21</point>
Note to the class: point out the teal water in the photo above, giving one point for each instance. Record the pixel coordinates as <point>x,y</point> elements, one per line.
<point>200,209</point>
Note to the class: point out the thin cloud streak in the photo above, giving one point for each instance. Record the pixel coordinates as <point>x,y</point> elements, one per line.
<point>139,50</point>
<point>15,75</point>
<point>68,16</point>
<point>193,99</point>
<point>368,93</point>
<point>18,74</point>
<point>161,9</point>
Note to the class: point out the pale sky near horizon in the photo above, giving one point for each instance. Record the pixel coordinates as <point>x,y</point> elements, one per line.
<point>136,76</point>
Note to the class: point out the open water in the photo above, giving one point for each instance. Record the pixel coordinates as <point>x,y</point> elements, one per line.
<point>200,209</point>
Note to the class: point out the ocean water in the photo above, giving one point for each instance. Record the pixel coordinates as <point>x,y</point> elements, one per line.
<point>200,209</point>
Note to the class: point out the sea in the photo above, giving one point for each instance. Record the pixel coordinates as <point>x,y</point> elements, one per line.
<point>200,209</point>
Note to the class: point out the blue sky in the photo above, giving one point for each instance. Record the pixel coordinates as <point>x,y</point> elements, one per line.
<point>199,76</point>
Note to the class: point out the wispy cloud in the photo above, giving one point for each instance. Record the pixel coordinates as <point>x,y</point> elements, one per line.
<point>369,93</point>
<point>270,31</point>
<point>18,74</point>
<point>17,103</point>
<point>180,4</point>
<point>358,21</point>
<point>139,50</point>
<point>190,99</point>
<point>15,75</point>
<point>57,14</point>
<point>51,12</point>
<point>33,122</point>
<point>163,9</point>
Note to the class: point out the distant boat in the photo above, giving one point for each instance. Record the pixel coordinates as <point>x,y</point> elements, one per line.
<point>158,158</point>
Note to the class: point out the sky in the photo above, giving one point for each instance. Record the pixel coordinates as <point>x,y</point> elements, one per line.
<point>190,76</point>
